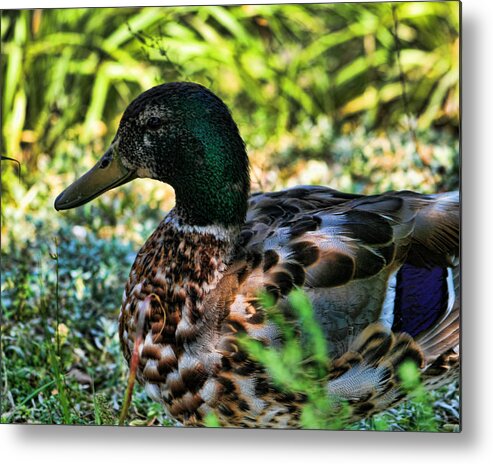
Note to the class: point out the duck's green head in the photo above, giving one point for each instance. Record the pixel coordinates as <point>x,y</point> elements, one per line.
<point>182,134</point>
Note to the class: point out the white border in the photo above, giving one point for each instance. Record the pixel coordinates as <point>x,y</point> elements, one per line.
<point>52,444</point>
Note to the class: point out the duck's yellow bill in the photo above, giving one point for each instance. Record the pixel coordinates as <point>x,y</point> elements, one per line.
<point>108,173</point>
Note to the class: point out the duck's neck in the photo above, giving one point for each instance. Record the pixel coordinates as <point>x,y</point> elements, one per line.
<point>212,202</point>
<point>180,222</point>
<point>213,184</point>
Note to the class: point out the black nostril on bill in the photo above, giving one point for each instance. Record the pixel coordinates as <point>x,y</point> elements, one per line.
<point>104,163</point>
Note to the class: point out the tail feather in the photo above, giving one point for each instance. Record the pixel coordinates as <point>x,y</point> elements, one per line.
<point>367,375</point>
<point>442,370</point>
<point>443,337</point>
<point>436,233</point>
<point>441,350</point>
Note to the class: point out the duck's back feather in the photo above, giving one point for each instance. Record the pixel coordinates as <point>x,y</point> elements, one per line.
<point>357,257</point>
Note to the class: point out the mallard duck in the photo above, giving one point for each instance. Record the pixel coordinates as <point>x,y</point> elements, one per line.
<point>381,271</point>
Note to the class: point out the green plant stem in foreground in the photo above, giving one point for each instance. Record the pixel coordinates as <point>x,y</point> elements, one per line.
<point>61,390</point>
<point>302,364</point>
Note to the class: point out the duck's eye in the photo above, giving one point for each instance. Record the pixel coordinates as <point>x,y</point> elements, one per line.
<point>154,122</point>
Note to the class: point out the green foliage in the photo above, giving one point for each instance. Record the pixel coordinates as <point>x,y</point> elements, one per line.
<point>278,66</point>
<point>44,384</point>
<point>410,378</point>
<point>61,390</point>
<point>103,411</point>
<point>211,421</point>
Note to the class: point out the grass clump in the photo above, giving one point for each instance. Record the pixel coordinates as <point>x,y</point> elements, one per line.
<point>301,365</point>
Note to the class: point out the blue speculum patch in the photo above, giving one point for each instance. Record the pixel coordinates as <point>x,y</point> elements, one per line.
<point>421,298</point>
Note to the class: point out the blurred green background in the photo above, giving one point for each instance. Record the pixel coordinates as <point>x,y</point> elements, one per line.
<point>360,97</point>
